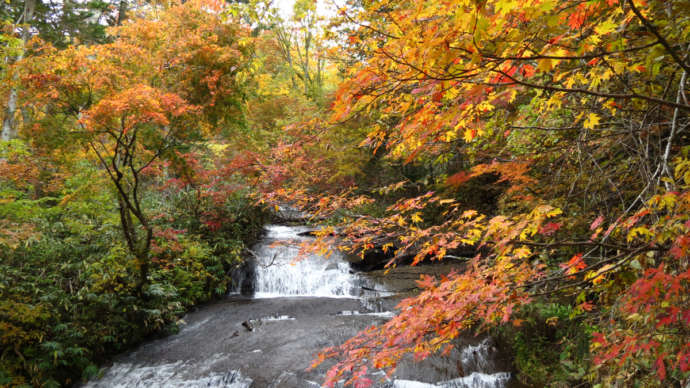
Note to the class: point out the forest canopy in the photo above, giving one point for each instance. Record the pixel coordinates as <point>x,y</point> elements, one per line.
<point>540,144</point>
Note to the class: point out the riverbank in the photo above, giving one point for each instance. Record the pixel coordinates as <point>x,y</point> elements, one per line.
<point>69,300</point>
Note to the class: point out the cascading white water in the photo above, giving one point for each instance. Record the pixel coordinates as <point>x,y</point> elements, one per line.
<point>478,366</point>
<point>474,380</point>
<point>279,272</point>
<point>475,358</point>
<point>172,375</point>
<point>252,339</point>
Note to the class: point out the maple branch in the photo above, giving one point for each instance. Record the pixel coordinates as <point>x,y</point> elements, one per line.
<point>115,181</point>
<point>586,281</point>
<point>560,57</point>
<point>545,128</point>
<point>594,93</point>
<point>658,35</point>
<point>415,68</point>
<point>353,115</point>
<point>615,187</point>
<point>159,152</point>
<point>353,21</point>
<point>568,244</point>
<point>625,256</point>
<point>568,128</point>
<point>674,125</point>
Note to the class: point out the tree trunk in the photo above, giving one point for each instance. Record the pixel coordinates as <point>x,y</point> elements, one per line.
<point>9,130</point>
<point>285,44</point>
<point>305,64</point>
<point>9,125</point>
<point>121,12</point>
<point>139,248</point>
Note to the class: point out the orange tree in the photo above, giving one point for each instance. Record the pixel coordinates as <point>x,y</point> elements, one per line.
<point>171,77</point>
<point>577,109</point>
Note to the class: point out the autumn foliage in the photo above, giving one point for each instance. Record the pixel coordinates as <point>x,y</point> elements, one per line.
<point>118,211</point>
<point>539,144</point>
<point>560,102</point>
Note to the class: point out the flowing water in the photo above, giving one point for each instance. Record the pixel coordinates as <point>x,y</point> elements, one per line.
<point>297,308</point>
<point>279,275</point>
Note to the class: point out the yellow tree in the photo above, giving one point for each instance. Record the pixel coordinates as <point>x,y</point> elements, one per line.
<point>547,96</point>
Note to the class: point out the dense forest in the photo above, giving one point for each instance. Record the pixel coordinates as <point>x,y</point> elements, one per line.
<point>540,144</point>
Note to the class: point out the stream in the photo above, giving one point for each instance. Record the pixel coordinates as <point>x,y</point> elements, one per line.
<point>269,339</point>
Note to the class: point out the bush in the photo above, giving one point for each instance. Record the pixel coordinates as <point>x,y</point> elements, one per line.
<point>68,297</point>
<point>550,346</point>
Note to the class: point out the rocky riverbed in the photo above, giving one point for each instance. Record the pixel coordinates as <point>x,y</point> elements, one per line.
<point>269,339</point>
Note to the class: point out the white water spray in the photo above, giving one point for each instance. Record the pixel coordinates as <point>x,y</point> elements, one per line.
<point>280,272</point>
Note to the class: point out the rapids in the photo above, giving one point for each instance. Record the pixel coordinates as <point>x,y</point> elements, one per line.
<point>269,339</point>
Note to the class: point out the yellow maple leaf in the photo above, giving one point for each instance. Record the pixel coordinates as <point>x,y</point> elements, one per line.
<point>605,27</point>
<point>598,276</point>
<point>522,252</point>
<point>592,121</point>
<point>545,65</point>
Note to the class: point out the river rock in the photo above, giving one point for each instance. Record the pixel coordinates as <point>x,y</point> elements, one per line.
<point>243,277</point>
<point>251,324</point>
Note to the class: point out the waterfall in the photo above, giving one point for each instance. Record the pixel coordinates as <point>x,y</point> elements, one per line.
<point>476,358</point>
<point>280,273</point>
<point>474,380</point>
<point>478,367</point>
<point>268,341</point>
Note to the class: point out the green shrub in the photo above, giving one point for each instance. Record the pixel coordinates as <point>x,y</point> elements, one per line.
<point>550,347</point>
<point>68,297</point>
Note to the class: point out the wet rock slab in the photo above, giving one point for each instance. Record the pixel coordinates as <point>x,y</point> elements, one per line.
<point>215,349</point>
<point>298,309</point>
<point>214,342</point>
